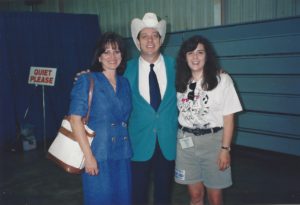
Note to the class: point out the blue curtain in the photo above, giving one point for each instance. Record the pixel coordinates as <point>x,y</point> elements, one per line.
<point>62,41</point>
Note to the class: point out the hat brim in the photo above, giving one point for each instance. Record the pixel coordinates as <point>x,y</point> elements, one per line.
<point>137,25</point>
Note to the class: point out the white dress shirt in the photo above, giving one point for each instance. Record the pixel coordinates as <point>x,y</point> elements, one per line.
<point>160,71</point>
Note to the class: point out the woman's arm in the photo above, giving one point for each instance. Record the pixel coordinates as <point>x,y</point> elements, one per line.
<point>224,156</point>
<point>80,135</point>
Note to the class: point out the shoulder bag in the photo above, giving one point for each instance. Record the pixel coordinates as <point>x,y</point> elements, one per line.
<point>65,150</point>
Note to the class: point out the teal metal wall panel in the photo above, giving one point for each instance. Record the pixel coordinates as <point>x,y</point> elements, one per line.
<point>269,84</point>
<point>268,142</point>
<point>263,102</point>
<point>263,59</point>
<point>275,64</point>
<point>249,30</point>
<point>291,128</point>
<point>259,46</point>
<point>174,39</point>
<point>171,50</point>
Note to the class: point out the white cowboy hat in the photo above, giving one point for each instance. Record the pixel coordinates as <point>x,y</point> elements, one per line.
<point>149,21</point>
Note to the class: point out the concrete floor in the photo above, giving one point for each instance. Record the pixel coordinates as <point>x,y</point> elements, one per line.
<point>260,177</point>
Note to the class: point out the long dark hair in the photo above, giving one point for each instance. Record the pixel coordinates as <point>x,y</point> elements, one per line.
<point>211,68</point>
<point>116,41</point>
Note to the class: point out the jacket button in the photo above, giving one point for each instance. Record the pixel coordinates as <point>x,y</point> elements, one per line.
<point>113,139</point>
<point>125,138</point>
<point>124,124</point>
<point>113,124</point>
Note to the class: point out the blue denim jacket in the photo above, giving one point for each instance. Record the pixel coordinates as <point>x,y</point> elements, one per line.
<point>109,114</point>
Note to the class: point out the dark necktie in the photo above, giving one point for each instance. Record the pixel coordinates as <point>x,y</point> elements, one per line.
<point>155,97</point>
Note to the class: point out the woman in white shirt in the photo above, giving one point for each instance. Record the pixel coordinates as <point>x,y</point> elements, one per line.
<point>207,102</point>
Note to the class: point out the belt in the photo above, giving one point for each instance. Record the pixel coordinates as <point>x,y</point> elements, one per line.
<point>198,131</point>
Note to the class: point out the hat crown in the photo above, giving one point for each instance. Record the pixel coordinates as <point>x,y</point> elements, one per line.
<point>150,19</point>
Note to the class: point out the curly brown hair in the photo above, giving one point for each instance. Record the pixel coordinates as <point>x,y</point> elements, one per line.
<point>211,68</point>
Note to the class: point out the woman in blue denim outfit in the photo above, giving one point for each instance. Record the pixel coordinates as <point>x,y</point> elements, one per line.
<point>107,176</point>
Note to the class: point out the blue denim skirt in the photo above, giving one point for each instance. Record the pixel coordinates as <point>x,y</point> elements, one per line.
<point>112,186</point>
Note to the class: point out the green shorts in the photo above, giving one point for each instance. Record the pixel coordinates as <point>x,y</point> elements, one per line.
<point>199,162</point>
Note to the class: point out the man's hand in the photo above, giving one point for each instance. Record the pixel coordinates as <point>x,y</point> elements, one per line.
<point>80,73</point>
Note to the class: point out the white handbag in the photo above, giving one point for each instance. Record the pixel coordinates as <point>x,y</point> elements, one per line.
<point>65,150</point>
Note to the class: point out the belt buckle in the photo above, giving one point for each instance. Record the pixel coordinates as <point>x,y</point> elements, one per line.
<point>198,132</point>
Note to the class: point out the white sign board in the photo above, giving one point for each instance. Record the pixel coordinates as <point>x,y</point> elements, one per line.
<point>42,76</point>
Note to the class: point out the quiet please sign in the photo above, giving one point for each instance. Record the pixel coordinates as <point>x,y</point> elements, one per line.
<point>42,76</point>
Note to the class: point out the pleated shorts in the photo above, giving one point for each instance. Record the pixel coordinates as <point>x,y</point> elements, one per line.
<point>199,163</point>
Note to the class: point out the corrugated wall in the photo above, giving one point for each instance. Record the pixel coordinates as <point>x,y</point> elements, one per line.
<point>240,11</point>
<point>115,15</point>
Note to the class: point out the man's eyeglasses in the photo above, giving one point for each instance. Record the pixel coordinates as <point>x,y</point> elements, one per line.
<point>191,94</point>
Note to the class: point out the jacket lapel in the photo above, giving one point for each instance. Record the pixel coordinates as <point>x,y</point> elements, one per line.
<point>135,87</point>
<point>113,98</point>
<point>169,93</point>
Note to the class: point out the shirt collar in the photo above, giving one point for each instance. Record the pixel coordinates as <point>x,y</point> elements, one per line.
<point>143,62</point>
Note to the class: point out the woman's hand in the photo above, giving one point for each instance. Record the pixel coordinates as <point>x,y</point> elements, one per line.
<point>224,159</point>
<point>224,155</point>
<point>91,166</point>
<point>80,136</point>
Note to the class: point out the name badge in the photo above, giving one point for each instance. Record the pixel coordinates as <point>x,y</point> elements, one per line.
<point>186,142</point>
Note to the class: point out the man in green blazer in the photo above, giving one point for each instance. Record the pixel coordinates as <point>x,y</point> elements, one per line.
<point>152,129</point>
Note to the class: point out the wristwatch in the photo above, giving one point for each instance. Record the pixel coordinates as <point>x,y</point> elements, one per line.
<point>226,148</point>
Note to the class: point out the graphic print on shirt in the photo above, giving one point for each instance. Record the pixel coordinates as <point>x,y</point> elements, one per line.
<point>195,111</point>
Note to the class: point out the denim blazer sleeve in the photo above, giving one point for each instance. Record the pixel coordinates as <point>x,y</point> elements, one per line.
<point>79,96</point>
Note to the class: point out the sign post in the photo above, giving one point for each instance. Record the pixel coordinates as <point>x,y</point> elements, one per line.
<point>45,77</point>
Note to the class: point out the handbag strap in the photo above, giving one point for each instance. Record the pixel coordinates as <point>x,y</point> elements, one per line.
<point>90,97</point>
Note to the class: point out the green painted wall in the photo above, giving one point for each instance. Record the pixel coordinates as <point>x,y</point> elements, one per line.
<point>181,15</point>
